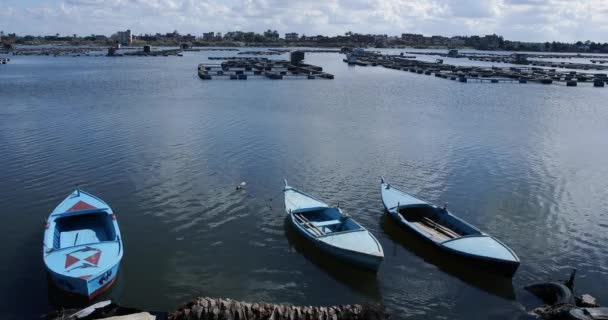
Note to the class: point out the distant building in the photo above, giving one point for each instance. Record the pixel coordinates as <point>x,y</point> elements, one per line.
<point>380,37</point>
<point>313,38</point>
<point>412,39</point>
<point>457,42</point>
<point>209,36</point>
<point>123,37</point>
<point>439,41</point>
<point>291,36</point>
<point>96,37</point>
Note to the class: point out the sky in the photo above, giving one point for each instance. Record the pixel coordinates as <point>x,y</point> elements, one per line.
<point>521,20</point>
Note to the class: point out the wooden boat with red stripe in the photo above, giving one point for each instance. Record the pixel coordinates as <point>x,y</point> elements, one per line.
<point>82,245</point>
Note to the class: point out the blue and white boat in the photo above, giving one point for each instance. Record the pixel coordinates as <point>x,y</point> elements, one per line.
<point>447,231</point>
<point>82,245</point>
<point>331,230</point>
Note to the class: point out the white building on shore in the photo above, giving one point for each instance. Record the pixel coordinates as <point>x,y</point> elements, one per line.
<point>123,37</point>
<point>291,36</point>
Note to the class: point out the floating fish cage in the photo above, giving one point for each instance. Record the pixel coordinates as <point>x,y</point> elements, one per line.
<point>265,52</point>
<point>483,74</point>
<point>234,68</point>
<point>520,58</point>
<point>54,51</point>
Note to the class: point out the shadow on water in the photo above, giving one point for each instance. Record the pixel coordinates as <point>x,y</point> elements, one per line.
<point>363,281</point>
<point>455,266</point>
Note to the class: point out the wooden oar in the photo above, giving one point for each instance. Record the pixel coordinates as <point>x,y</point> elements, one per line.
<point>441,228</point>
<point>311,226</point>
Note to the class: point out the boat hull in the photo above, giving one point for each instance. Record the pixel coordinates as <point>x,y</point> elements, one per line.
<point>503,267</point>
<point>359,259</point>
<point>82,247</point>
<point>88,288</point>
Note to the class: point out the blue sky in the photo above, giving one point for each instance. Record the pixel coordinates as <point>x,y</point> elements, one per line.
<point>525,20</point>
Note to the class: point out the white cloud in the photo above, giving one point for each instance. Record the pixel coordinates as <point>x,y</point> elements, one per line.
<point>532,20</point>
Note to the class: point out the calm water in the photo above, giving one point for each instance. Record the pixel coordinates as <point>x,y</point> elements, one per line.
<point>525,163</point>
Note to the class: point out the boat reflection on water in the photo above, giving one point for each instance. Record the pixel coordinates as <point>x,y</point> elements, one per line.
<point>461,268</point>
<point>356,278</point>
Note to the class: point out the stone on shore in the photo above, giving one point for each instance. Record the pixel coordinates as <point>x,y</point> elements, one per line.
<point>586,301</point>
<point>209,308</point>
<point>134,316</point>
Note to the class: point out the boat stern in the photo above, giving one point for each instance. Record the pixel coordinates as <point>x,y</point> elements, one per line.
<point>86,286</point>
<point>85,270</point>
<point>100,283</point>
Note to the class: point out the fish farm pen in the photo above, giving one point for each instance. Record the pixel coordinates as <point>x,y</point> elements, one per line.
<point>268,52</point>
<point>478,73</point>
<point>522,59</point>
<point>153,53</point>
<point>234,68</point>
<point>210,49</point>
<point>53,51</point>
<point>261,53</point>
<point>541,63</point>
<point>529,55</point>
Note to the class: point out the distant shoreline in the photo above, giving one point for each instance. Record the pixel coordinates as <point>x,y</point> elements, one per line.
<point>229,44</point>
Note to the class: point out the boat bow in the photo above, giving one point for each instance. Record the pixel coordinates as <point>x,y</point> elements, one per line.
<point>482,246</point>
<point>393,198</point>
<point>361,241</point>
<point>296,200</point>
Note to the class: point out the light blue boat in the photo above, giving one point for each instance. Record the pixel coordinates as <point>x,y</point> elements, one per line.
<point>447,231</point>
<point>331,230</point>
<point>82,245</point>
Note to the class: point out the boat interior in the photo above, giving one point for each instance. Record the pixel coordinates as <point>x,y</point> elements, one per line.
<point>436,222</point>
<point>83,229</point>
<point>324,221</point>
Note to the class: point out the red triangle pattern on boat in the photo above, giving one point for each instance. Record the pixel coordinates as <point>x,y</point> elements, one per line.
<point>85,277</point>
<point>94,259</point>
<point>80,205</point>
<point>70,260</point>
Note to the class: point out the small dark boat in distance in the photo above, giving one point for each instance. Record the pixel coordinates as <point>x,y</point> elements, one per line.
<point>447,231</point>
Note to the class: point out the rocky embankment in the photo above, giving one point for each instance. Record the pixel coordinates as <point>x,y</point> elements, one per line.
<point>227,309</point>
<point>208,308</point>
